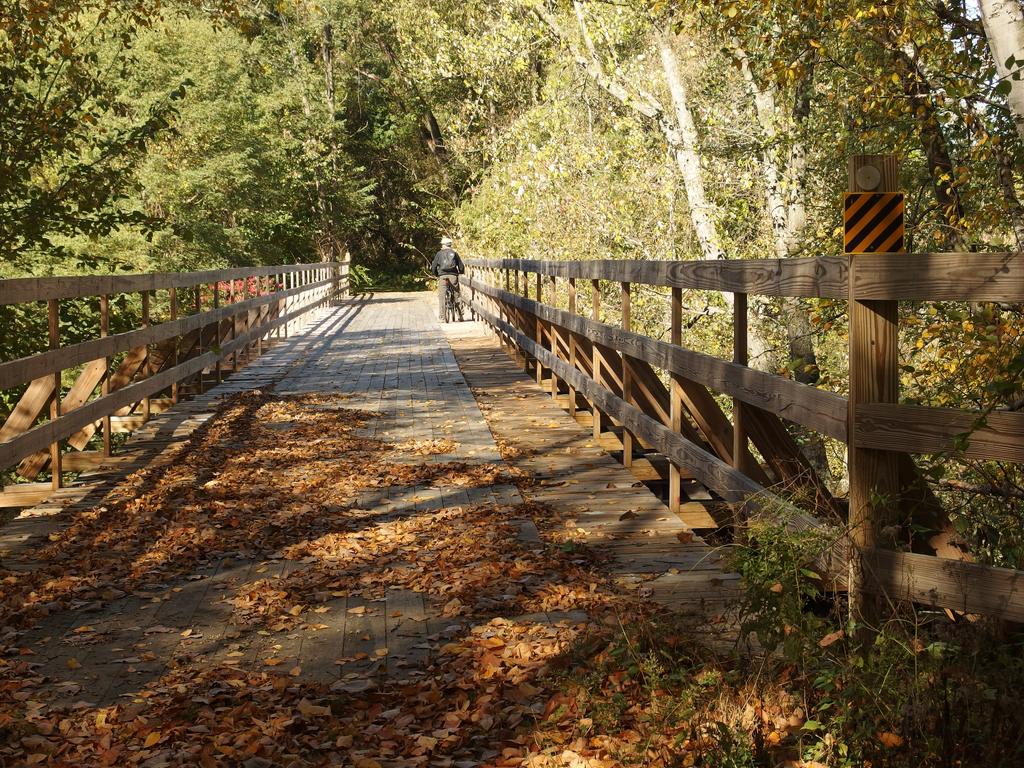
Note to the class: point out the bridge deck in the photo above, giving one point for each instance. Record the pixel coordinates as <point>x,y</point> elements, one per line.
<point>341,526</point>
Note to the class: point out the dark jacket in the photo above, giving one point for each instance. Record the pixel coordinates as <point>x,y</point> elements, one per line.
<point>447,262</point>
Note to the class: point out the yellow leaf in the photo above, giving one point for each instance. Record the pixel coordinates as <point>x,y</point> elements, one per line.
<point>152,739</point>
<point>74,663</point>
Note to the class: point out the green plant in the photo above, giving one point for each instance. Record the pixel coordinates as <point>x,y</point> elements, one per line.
<point>777,566</point>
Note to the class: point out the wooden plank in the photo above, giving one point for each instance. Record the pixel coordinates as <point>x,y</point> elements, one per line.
<point>29,408</point>
<point>823,411</point>
<point>22,290</point>
<point>824,276</point>
<point>25,495</point>
<point>952,584</point>
<point>918,429</point>
<point>80,391</point>
<point>940,276</point>
<point>740,446</point>
<point>696,515</point>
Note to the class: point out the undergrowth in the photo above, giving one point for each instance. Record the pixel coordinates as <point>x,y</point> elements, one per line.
<point>797,688</point>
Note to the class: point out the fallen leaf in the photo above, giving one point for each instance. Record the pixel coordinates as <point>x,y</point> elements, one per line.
<point>830,638</point>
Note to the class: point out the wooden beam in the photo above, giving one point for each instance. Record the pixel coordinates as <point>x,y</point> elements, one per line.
<point>595,314</point>
<point>121,378</point>
<point>24,495</point>
<point>30,407</point>
<point>998,435</point>
<point>572,345</point>
<point>940,277</point>
<point>824,276</point>
<point>627,384</point>
<point>24,290</point>
<point>740,449</point>
<point>675,398</point>
<point>942,583</point>
<point>104,332</point>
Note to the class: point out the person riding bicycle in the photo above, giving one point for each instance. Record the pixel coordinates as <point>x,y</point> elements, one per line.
<point>446,266</point>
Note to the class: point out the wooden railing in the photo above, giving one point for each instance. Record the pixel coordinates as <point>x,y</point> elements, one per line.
<point>213,322</point>
<point>622,375</point>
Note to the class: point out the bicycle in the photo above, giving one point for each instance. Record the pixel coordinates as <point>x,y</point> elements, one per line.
<point>452,305</point>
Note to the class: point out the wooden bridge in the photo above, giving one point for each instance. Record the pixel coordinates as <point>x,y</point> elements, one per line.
<point>277,424</point>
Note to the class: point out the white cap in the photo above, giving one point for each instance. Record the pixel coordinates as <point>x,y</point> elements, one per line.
<point>446,240</point>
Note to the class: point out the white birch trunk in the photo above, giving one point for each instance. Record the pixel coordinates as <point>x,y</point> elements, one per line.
<point>775,198</point>
<point>1004,28</point>
<point>687,154</point>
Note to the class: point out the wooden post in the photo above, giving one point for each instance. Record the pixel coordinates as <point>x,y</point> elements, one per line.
<point>538,328</point>
<point>553,338</point>
<point>105,386</point>
<point>248,319</point>
<point>472,294</point>
<point>216,305</point>
<point>172,300</point>
<point>56,461</point>
<point>627,384</point>
<point>259,318</point>
<point>739,355</point>
<point>874,378</point>
<point>572,345</point>
<point>675,484</point>
<point>147,406</point>
<point>595,314</point>
<point>199,343</point>
<point>233,298</point>
<point>289,302</point>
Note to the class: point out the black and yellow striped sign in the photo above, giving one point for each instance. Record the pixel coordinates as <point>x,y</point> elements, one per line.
<point>873,222</point>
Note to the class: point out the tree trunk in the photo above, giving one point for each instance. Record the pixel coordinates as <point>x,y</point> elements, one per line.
<point>936,149</point>
<point>687,154</point>
<point>1004,29</point>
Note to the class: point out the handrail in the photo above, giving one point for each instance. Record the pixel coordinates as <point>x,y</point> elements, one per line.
<point>552,337</point>
<point>188,345</point>
<point>997,276</point>
<point>22,290</point>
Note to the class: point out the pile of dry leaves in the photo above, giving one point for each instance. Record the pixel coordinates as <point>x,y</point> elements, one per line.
<point>283,478</point>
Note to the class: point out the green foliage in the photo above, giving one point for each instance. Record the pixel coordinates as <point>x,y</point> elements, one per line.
<point>781,582</point>
<point>66,148</point>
